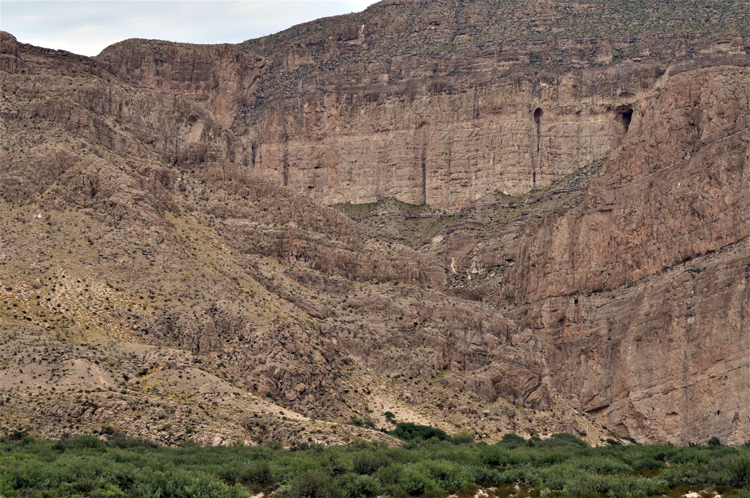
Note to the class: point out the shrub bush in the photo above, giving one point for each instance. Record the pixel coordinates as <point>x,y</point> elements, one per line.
<point>415,483</point>
<point>85,466</point>
<point>511,441</point>
<point>464,438</point>
<point>408,431</point>
<point>495,457</point>
<point>738,470</point>
<point>368,463</point>
<point>357,486</point>
<point>447,475</point>
<point>311,484</point>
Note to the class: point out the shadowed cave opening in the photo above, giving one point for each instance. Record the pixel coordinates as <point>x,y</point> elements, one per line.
<point>624,117</point>
<point>538,112</point>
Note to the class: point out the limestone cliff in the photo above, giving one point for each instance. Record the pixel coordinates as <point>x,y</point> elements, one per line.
<point>636,286</point>
<point>427,102</point>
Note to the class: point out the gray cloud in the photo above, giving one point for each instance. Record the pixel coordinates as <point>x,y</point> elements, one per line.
<point>86,27</point>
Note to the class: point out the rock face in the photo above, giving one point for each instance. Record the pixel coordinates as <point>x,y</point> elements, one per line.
<point>636,287</point>
<point>660,238</point>
<point>580,241</point>
<point>356,111</point>
<point>437,139</point>
<point>219,77</point>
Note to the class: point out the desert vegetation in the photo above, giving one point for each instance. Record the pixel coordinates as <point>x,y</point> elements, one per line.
<point>562,465</point>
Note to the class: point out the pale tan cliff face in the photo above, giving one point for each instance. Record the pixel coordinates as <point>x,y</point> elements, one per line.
<point>442,135</point>
<point>357,124</point>
<point>440,140</point>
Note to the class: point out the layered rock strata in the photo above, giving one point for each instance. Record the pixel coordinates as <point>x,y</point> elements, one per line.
<point>357,110</point>
<point>636,286</point>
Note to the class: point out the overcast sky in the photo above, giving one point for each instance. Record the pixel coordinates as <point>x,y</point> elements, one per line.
<point>86,27</point>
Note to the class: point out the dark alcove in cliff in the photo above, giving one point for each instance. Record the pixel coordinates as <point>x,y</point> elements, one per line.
<point>538,112</point>
<point>538,115</point>
<point>624,117</point>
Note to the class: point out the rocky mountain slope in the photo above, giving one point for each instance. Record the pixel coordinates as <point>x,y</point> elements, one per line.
<point>530,231</point>
<point>637,286</point>
<point>142,292</point>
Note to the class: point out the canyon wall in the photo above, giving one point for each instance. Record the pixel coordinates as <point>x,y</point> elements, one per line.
<point>354,109</point>
<point>626,292</point>
<point>653,332</point>
<point>636,287</point>
<point>443,138</point>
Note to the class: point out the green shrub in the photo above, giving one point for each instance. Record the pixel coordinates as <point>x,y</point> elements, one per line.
<point>368,463</point>
<point>620,486</point>
<point>415,483</point>
<point>690,473</point>
<point>738,470</point>
<point>311,484</point>
<point>511,440</point>
<point>448,475</point>
<point>84,441</point>
<point>485,476</point>
<point>357,486</point>
<point>120,440</point>
<point>253,474</point>
<point>464,438</point>
<point>603,465</point>
<point>495,457</point>
<point>123,467</point>
<point>178,483</point>
<point>408,431</point>
<point>389,476</point>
